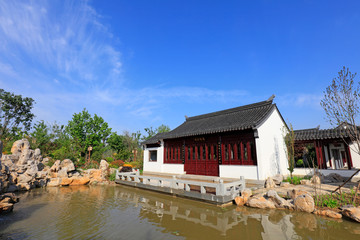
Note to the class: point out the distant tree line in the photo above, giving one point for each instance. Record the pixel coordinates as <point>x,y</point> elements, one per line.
<point>86,139</point>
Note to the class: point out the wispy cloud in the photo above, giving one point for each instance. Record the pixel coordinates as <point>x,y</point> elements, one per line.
<point>61,54</point>
<point>307,100</point>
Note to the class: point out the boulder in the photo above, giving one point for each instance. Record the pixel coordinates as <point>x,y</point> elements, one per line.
<point>79,181</point>
<point>240,201</point>
<point>9,198</point>
<point>292,194</point>
<point>54,182</point>
<point>37,152</point>
<point>334,177</point>
<point>315,179</point>
<point>260,202</point>
<point>25,156</point>
<point>68,165</point>
<point>23,186</point>
<point>304,203</point>
<point>24,178</point>
<point>305,182</point>
<point>285,184</point>
<point>56,166</point>
<point>246,194</point>
<point>19,146</point>
<point>45,161</point>
<point>62,173</point>
<point>351,212</point>
<point>6,207</point>
<point>32,169</point>
<point>279,201</point>
<point>66,181</point>
<point>328,213</point>
<point>278,178</point>
<point>269,183</point>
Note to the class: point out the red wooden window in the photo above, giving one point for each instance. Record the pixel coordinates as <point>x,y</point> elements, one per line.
<point>172,151</point>
<point>238,150</point>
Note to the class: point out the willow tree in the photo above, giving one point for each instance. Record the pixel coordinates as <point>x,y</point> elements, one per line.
<point>341,103</point>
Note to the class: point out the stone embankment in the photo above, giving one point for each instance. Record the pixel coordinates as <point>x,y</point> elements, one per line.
<point>26,169</point>
<point>295,199</point>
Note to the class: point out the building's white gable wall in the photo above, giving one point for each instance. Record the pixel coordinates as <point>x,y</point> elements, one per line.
<point>159,165</point>
<point>270,147</point>
<point>355,157</point>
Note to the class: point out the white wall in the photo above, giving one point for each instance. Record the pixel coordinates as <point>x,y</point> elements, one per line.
<point>172,168</point>
<point>159,165</point>
<point>154,166</point>
<point>355,157</point>
<point>270,147</point>
<point>235,171</point>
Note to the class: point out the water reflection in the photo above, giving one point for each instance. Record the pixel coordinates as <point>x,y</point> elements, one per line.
<point>118,212</point>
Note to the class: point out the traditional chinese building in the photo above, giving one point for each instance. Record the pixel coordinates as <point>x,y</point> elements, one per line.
<point>243,141</point>
<point>333,147</point>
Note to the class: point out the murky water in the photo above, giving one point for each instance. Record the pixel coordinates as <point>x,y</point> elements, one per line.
<point>118,212</point>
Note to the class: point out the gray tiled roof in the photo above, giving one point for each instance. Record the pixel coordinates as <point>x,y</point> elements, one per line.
<point>239,118</point>
<point>318,134</point>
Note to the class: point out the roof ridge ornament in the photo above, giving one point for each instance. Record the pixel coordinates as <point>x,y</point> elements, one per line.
<point>271,98</point>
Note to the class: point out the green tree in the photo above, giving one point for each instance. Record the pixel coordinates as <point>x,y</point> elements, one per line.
<point>41,137</point>
<point>86,131</point>
<point>289,139</point>
<point>152,132</point>
<point>15,113</point>
<point>117,143</point>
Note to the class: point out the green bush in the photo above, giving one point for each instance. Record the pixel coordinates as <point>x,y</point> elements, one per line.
<point>109,159</point>
<point>295,180</point>
<point>300,163</point>
<point>112,176</point>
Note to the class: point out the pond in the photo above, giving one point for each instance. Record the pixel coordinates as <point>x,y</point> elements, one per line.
<point>120,212</point>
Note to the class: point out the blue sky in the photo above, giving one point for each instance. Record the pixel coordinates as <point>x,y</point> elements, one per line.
<point>145,63</point>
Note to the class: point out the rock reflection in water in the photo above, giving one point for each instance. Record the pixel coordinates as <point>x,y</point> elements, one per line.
<point>118,212</point>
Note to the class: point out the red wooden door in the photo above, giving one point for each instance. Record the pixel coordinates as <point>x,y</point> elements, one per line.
<point>201,157</point>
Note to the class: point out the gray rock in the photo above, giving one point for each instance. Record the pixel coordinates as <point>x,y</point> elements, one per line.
<point>305,182</point>
<point>351,212</point>
<point>269,183</point>
<point>304,203</point>
<point>285,184</point>
<point>68,165</point>
<point>62,173</point>
<point>315,179</point>
<point>278,178</point>
<point>37,152</point>
<point>104,165</point>
<point>24,178</point>
<point>260,202</point>
<point>19,146</point>
<point>279,201</point>
<point>45,160</point>
<point>23,186</point>
<point>56,166</point>
<point>54,182</point>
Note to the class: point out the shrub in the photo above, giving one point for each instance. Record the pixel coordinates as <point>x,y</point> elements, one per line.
<point>112,176</point>
<point>116,164</point>
<point>109,159</point>
<point>300,163</point>
<point>295,180</point>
